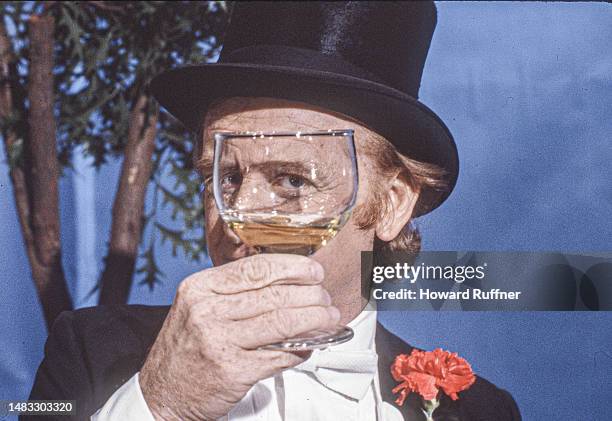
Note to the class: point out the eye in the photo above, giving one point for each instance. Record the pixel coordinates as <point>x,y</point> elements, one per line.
<point>292,181</point>
<point>231,180</point>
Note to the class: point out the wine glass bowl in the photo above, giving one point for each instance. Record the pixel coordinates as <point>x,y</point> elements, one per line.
<point>287,192</point>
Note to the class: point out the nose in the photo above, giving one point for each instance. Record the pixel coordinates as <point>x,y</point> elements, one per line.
<point>233,247</point>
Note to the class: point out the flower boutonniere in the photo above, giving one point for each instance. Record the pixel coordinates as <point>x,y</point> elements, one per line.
<point>428,373</point>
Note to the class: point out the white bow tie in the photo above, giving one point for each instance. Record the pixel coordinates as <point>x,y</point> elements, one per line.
<point>347,372</point>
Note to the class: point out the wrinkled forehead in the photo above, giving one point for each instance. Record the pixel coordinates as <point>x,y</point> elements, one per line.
<point>267,114</point>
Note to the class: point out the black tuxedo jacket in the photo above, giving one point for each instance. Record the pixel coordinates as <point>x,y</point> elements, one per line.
<point>91,352</point>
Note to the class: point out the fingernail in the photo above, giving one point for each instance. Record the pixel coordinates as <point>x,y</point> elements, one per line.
<point>318,271</point>
<point>326,298</point>
<point>334,313</point>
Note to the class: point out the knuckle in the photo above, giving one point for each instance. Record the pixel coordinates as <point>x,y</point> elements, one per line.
<point>277,295</point>
<point>212,307</point>
<point>193,324</point>
<point>255,269</point>
<point>201,319</point>
<point>192,286</point>
<point>194,317</point>
<point>283,323</point>
<point>217,307</point>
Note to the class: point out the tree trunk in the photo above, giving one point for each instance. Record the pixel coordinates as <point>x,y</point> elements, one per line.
<point>35,177</point>
<point>128,208</point>
<point>45,218</point>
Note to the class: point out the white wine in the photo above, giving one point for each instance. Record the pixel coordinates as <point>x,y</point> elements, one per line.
<point>295,234</point>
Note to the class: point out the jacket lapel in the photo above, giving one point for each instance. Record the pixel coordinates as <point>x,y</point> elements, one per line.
<point>388,346</point>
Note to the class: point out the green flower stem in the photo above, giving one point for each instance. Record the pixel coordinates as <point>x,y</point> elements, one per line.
<point>429,406</point>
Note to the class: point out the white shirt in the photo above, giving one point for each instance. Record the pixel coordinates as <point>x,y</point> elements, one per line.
<point>294,394</point>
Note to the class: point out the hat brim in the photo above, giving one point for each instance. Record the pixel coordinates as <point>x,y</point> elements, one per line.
<point>412,127</point>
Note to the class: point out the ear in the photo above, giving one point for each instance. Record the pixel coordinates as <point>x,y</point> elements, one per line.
<point>401,200</point>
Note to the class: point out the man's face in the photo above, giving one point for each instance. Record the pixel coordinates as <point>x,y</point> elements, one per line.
<point>341,256</point>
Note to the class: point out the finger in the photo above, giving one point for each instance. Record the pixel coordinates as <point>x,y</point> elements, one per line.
<point>265,363</point>
<point>282,324</point>
<point>248,304</point>
<point>273,361</point>
<point>255,272</point>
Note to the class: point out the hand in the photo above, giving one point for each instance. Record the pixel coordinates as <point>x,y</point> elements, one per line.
<point>205,358</point>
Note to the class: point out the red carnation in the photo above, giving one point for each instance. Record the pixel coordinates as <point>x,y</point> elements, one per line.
<point>426,373</point>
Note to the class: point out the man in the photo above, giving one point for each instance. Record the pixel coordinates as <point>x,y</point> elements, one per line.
<point>284,67</point>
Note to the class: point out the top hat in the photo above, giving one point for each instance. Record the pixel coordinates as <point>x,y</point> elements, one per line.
<point>363,59</point>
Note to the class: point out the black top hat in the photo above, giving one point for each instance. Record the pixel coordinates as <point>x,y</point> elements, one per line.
<point>363,59</point>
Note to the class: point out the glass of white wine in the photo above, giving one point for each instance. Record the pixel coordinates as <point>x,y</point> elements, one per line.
<point>287,192</point>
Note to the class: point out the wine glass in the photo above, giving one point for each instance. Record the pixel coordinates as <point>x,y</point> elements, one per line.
<point>287,192</point>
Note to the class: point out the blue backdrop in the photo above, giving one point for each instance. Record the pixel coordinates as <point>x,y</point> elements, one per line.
<point>526,88</point>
